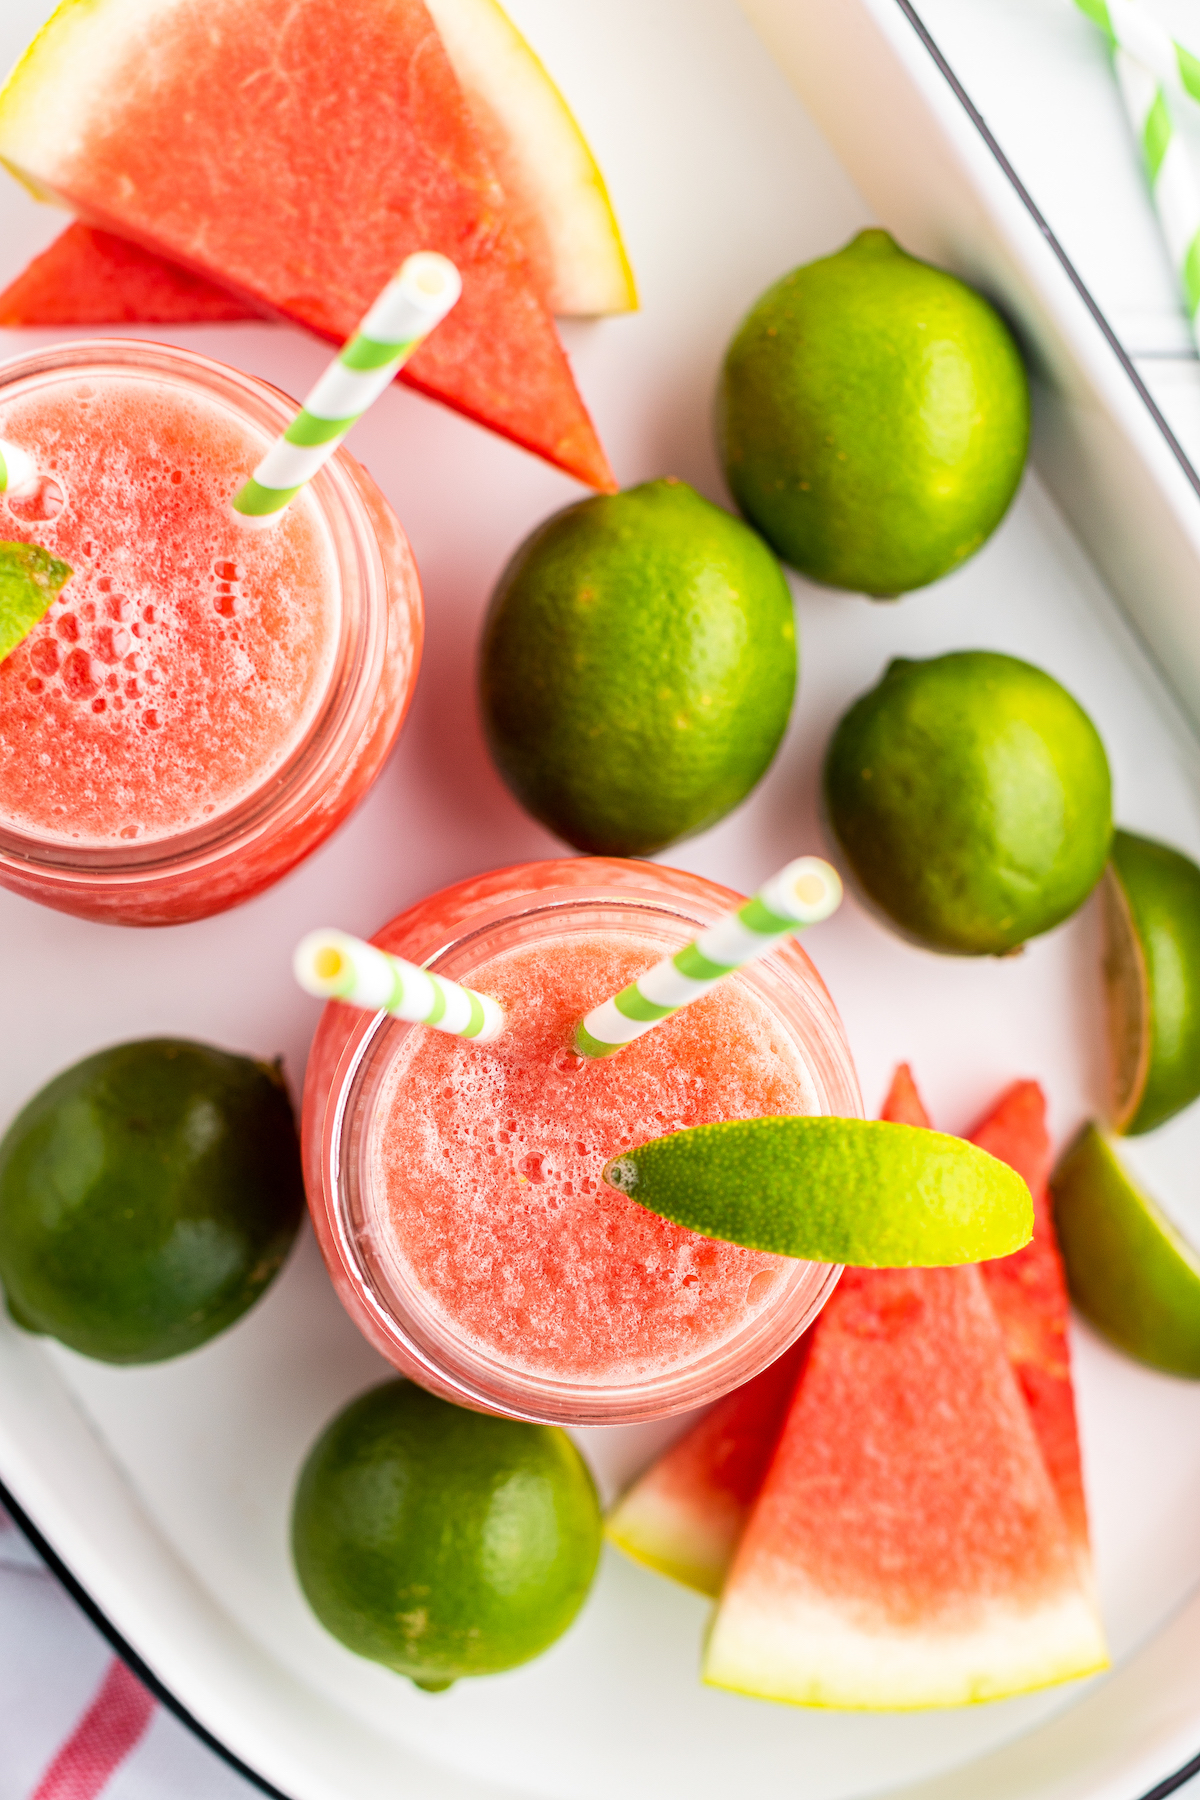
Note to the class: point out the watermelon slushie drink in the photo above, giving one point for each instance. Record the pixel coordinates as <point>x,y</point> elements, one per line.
<point>456,1187</point>
<point>205,701</point>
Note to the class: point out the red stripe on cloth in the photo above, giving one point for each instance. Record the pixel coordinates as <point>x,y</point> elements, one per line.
<point>101,1741</point>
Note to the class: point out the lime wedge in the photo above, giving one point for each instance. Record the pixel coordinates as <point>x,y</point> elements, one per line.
<point>1151,900</point>
<point>30,582</point>
<point>1128,1269</point>
<point>865,1192</point>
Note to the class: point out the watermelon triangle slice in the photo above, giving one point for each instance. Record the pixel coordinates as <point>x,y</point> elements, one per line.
<point>90,277</point>
<point>294,157</point>
<point>1028,1292</point>
<point>907,1548</point>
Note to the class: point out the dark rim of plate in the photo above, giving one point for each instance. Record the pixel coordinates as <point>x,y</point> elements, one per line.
<point>21,1519</point>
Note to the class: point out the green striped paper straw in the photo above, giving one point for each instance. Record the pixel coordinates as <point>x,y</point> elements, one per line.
<point>417,299</point>
<point>334,966</point>
<point>17,467</point>
<point>805,892</point>
<point>1172,181</point>
<point>1129,28</point>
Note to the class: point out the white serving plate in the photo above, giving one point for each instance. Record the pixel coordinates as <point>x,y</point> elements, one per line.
<point>164,1491</point>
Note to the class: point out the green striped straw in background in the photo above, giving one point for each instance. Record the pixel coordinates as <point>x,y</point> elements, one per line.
<point>1148,62</point>
<point>1129,28</point>
<point>410,306</point>
<point>803,893</point>
<point>335,966</point>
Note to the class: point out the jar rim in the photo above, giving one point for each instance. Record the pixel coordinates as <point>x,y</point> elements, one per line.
<point>422,1339</point>
<point>288,791</point>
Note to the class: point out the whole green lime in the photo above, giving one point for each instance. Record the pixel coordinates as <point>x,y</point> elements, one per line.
<point>442,1542</point>
<point>1152,971</point>
<point>637,669</point>
<point>147,1197</point>
<point>873,418</point>
<point>972,798</point>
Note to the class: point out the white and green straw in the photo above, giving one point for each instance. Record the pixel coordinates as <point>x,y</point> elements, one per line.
<point>417,299</point>
<point>1146,61</point>
<point>805,892</point>
<point>1129,28</point>
<point>334,966</point>
<point>17,467</point>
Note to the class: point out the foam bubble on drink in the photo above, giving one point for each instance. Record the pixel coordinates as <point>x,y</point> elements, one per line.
<point>486,1169</point>
<point>183,662</point>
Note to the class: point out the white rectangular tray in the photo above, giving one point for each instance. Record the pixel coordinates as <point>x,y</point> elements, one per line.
<point>165,1491</point>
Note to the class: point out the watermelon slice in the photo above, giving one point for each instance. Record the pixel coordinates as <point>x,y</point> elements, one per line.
<point>684,1516</point>
<point>1028,1292</point>
<point>90,277</point>
<point>907,1548</point>
<point>556,195</point>
<point>295,157</point>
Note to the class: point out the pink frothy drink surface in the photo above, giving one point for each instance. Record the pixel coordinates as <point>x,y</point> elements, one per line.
<point>187,656</point>
<point>486,1167</point>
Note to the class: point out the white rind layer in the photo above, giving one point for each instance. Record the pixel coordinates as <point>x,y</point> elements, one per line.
<point>799,1650</point>
<point>665,1536</point>
<point>547,158</point>
<point>64,82</point>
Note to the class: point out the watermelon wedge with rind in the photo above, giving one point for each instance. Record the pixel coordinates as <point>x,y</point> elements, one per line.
<point>907,1548</point>
<point>295,157</point>
<point>89,277</point>
<point>685,1514</point>
<point>556,196</point>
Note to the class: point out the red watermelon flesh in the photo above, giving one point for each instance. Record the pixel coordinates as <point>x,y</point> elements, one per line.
<point>907,1548</point>
<point>90,277</point>
<point>684,1516</point>
<point>294,157</point>
<point>1028,1291</point>
<point>904,1105</point>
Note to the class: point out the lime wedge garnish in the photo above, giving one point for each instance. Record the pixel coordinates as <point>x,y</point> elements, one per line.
<point>1151,896</point>
<point>30,582</point>
<point>1128,1269</point>
<point>874,1194</point>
